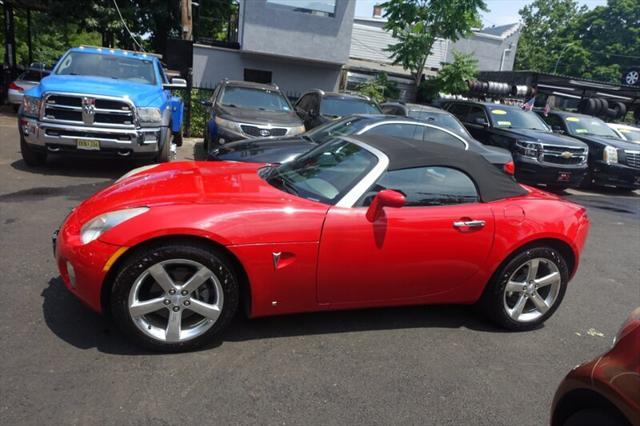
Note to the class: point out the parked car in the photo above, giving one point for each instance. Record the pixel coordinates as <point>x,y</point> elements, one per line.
<point>606,390</point>
<point>429,114</point>
<point>242,110</point>
<point>25,81</point>
<point>612,161</point>
<point>281,150</point>
<point>626,132</point>
<point>102,102</point>
<point>540,156</point>
<point>318,107</point>
<point>172,250</point>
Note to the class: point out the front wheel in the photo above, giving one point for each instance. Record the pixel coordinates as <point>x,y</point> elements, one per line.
<point>175,297</point>
<point>527,289</point>
<point>31,157</point>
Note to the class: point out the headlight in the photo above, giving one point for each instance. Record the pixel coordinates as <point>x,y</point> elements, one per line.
<point>136,171</point>
<point>101,224</point>
<point>610,155</point>
<point>228,124</point>
<point>528,148</point>
<point>31,106</point>
<point>149,115</point>
<point>296,130</point>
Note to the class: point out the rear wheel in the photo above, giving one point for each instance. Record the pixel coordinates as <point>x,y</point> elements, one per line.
<point>527,289</point>
<point>31,157</point>
<point>175,297</point>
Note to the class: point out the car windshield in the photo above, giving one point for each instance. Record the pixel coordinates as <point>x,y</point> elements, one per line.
<point>108,66</point>
<point>632,135</point>
<point>441,119</point>
<point>250,98</point>
<point>344,127</point>
<point>341,107</point>
<point>324,174</point>
<point>588,126</point>
<point>512,118</point>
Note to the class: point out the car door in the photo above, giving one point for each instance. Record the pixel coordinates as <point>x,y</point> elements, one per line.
<point>417,250</point>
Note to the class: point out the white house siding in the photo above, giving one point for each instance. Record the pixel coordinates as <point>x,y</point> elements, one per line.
<point>368,43</point>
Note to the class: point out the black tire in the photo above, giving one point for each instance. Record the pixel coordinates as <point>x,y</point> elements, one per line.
<point>178,138</point>
<point>620,109</point>
<point>596,417</point>
<point>15,107</point>
<point>587,180</point>
<point>164,155</point>
<point>140,260</point>
<point>31,157</point>
<point>492,301</point>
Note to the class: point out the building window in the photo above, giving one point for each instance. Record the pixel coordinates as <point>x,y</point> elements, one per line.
<point>257,76</point>
<point>313,7</point>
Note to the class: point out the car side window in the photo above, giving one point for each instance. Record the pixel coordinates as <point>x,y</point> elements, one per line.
<point>397,130</point>
<point>432,134</point>
<point>427,186</point>
<point>474,113</point>
<point>459,110</point>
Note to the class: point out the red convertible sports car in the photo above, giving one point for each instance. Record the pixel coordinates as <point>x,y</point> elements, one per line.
<point>172,250</point>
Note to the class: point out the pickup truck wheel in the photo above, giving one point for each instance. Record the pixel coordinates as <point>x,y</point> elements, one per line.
<point>31,157</point>
<point>164,155</point>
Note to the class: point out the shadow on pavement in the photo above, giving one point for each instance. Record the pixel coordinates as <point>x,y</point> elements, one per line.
<point>80,167</point>
<point>77,325</point>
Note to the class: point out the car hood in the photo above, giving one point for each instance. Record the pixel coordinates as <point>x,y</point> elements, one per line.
<point>236,185</point>
<point>141,94</point>
<point>545,137</point>
<point>263,150</point>
<point>616,143</point>
<point>256,116</point>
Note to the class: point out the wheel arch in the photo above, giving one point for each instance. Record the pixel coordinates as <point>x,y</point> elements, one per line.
<point>245,287</point>
<point>581,399</point>
<point>568,253</point>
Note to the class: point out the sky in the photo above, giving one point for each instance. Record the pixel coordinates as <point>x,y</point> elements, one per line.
<point>501,12</point>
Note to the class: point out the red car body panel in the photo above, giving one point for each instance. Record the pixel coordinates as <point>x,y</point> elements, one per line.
<point>615,376</point>
<point>330,257</point>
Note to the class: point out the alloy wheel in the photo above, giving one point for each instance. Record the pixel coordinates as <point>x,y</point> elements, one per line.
<point>175,300</point>
<point>632,77</point>
<point>532,289</point>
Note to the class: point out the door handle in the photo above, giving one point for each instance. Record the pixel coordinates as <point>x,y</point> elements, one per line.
<point>469,224</point>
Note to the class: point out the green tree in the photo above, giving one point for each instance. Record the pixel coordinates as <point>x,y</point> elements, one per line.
<point>379,88</point>
<point>417,24</point>
<point>544,33</point>
<point>453,77</point>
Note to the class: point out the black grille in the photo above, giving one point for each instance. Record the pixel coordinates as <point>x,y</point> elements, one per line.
<point>633,159</point>
<point>263,131</point>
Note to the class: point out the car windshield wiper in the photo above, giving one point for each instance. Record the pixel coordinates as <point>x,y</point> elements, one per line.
<point>307,138</point>
<point>283,183</point>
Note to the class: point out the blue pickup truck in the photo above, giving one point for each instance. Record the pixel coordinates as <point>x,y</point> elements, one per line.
<point>102,102</point>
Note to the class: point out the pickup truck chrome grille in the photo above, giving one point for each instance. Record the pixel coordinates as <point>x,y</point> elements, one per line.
<point>88,110</point>
<point>263,131</point>
<point>633,158</point>
<point>556,154</point>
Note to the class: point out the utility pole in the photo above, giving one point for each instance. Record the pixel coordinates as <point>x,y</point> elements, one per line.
<point>186,21</point>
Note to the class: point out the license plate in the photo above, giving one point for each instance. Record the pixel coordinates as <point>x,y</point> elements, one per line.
<point>89,144</point>
<point>564,176</point>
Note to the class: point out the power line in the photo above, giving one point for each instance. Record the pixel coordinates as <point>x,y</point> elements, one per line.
<point>126,27</point>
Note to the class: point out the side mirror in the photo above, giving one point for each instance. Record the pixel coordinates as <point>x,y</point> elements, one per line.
<point>176,83</point>
<point>207,104</point>
<point>480,121</point>
<point>384,198</point>
<point>313,113</point>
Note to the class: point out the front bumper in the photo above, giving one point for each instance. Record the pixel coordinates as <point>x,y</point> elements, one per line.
<point>618,175</point>
<point>532,171</point>
<point>124,142</point>
<point>83,267</point>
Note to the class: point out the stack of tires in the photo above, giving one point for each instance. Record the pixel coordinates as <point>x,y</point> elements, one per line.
<point>498,89</point>
<point>601,107</point>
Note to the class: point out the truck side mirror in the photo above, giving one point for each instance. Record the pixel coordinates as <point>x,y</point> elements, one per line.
<point>557,129</point>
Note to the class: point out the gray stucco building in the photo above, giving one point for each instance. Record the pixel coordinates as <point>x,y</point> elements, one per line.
<point>297,44</point>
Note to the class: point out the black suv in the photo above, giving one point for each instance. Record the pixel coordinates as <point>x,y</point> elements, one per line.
<point>318,107</point>
<point>541,157</point>
<point>243,110</point>
<point>280,150</point>
<point>612,161</point>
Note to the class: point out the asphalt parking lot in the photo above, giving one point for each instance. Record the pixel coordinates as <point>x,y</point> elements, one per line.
<point>63,364</point>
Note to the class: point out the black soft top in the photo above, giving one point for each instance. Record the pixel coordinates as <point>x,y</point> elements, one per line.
<point>492,183</point>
